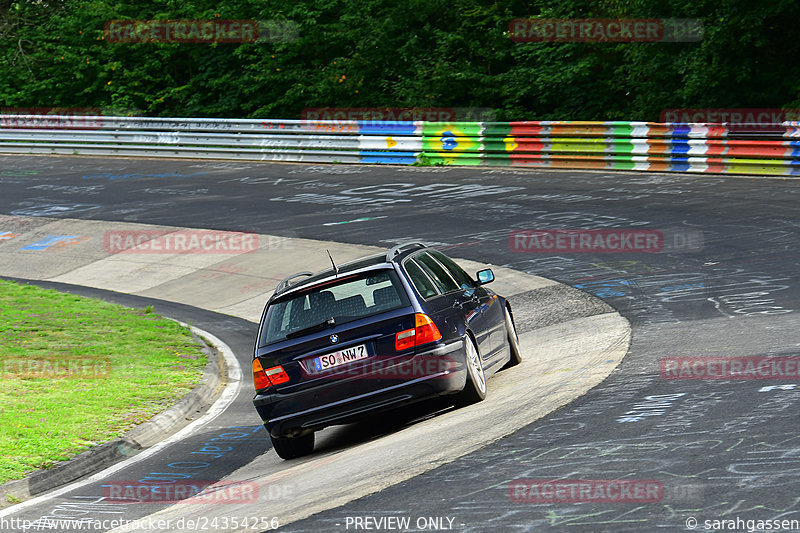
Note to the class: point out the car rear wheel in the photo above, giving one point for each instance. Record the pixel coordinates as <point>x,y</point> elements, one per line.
<point>291,447</point>
<point>513,342</point>
<point>475,388</point>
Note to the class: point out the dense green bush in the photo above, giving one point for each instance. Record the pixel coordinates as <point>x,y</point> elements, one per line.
<point>422,53</point>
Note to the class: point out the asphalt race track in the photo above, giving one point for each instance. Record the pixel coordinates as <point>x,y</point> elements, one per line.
<point>723,286</point>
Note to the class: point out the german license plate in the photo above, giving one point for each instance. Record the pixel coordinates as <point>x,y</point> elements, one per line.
<point>342,357</point>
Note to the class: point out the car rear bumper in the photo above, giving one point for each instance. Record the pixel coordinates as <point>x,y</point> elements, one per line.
<point>432,373</point>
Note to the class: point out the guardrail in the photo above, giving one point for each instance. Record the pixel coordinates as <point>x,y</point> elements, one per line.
<point>671,147</point>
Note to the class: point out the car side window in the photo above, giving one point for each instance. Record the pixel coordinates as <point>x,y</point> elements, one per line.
<point>437,273</point>
<point>420,281</point>
<point>461,277</point>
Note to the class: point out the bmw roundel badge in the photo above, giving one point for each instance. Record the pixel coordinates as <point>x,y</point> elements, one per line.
<point>334,338</point>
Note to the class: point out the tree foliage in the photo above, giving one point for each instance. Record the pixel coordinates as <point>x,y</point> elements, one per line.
<point>384,53</point>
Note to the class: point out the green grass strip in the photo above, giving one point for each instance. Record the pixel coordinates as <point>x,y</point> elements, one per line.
<point>76,372</point>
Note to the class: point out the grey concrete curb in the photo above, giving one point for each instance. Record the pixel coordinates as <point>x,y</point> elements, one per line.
<point>132,442</point>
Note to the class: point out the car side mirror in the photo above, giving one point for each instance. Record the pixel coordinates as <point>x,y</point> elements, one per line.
<point>485,276</point>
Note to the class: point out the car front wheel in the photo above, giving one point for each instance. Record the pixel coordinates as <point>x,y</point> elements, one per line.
<point>513,342</point>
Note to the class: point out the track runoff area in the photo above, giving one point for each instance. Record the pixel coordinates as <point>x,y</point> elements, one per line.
<point>693,429</point>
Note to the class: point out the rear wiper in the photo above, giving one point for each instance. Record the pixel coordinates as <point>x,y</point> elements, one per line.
<point>329,323</point>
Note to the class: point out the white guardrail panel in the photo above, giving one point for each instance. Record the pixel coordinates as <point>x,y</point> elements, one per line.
<point>214,138</point>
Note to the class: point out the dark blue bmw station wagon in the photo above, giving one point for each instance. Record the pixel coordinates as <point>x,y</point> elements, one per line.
<point>375,334</point>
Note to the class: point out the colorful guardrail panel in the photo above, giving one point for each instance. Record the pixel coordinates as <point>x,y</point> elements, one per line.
<point>610,145</point>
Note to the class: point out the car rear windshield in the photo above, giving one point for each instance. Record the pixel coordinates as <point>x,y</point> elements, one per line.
<point>354,297</point>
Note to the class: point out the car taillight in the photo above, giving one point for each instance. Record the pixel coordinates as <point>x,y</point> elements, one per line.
<point>405,339</point>
<point>260,379</point>
<point>425,331</point>
<point>277,375</point>
<point>271,376</point>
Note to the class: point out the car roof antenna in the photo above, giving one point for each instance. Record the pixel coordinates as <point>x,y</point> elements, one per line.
<point>335,268</point>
